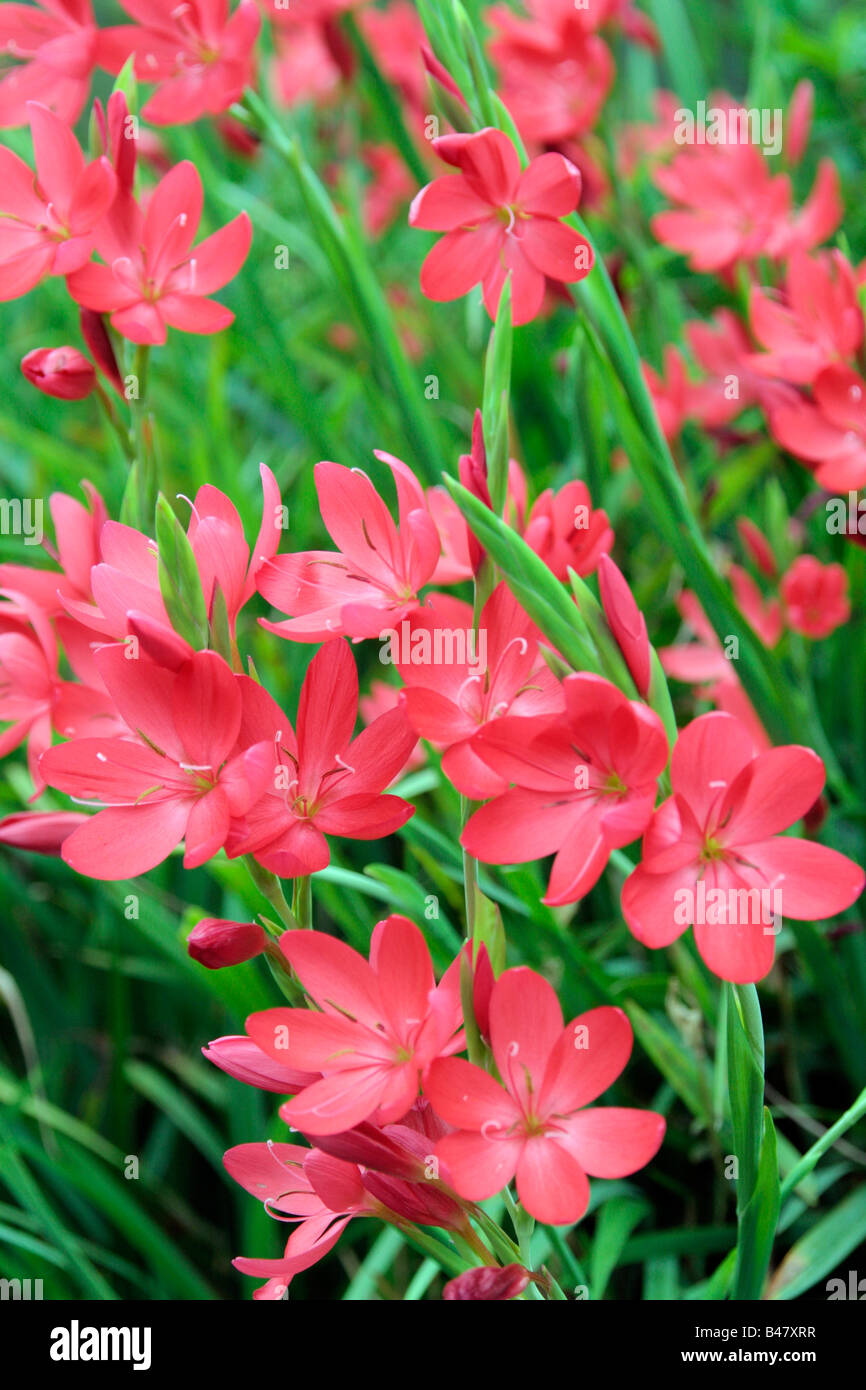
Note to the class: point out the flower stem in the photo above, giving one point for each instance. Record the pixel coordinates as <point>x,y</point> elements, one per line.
<point>302,902</point>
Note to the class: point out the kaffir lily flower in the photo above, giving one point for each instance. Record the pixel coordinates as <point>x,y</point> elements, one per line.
<point>62,372</point>
<point>828,432</point>
<point>703,663</point>
<point>627,623</point>
<point>818,321</point>
<point>815,597</point>
<point>153,277</point>
<point>450,699</point>
<point>585,784</point>
<point>176,777</point>
<point>377,1029</point>
<point>54,47</point>
<point>534,1125</point>
<point>200,56</point>
<point>48,221</point>
<point>723,825</point>
<point>324,782</point>
<point>499,219</point>
<point>373,579</point>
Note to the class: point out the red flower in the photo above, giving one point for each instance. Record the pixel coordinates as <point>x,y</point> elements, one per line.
<point>201,57</point>
<point>818,322</point>
<point>55,45</point>
<point>372,581</point>
<point>176,779</point>
<point>816,597</point>
<point>378,1028</point>
<point>566,533</point>
<point>722,826</point>
<point>497,220</point>
<point>448,701</point>
<point>153,277</point>
<point>535,1125</point>
<point>324,782</point>
<point>627,623</point>
<point>830,431</point>
<point>48,221</point>
<point>586,784</point>
<point>215,943</point>
<point>63,372</point>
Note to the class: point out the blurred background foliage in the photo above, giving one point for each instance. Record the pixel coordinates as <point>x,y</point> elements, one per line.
<point>102,1014</point>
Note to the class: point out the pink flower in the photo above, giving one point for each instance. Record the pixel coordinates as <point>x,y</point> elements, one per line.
<point>33,697</point>
<point>556,72</point>
<point>535,1125</point>
<point>486,1285</point>
<point>41,832</point>
<point>586,784</point>
<point>723,349</point>
<point>732,209</point>
<point>378,1028</point>
<point>818,322</point>
<point>704,663</point>
<point>497,220</point>
<point>324,782</point>
<point>239,1057</point>
<point>381,698</point>
<point>815,597</point>
<point>627,623</point>
<point>216,534</point>
<point>319,1193</point>
<point>175,777</point>
<point>154,278</point>
<point>829,432</point>
<point>722,827</point>
<point>764,615</point>
<point>372,581</point>
<point>449,699</point>
<point>55,45</point>
<point>215,943</point>
<point>201,57</point>
<point>48,221</point>
<point>63,372</point>
<point>77,530</point>
<point>566,533</point>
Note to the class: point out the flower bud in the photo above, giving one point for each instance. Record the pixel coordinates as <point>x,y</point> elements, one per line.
<point>627,623</point>
<point>63,372</point>
<point>215,943</point>
<point>486,1285</point>
<point>43,832</point>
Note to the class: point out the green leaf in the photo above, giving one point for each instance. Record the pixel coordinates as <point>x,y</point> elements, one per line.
<point>179,581</point>
<point>759,1220</point>
<point>616,1221</point>
<point>821,1249</point>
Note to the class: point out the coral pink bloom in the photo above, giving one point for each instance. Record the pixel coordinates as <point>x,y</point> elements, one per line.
<point>54,44</point>
<point>731,208</point>
<point>372,581</point>
<point>723,825</point>
<point>77,529</point>
<point>41,832</point>
<point>627,623</point>
<point>566,533</point>
<point>451,693</point>
<point>201,57</point>
<point>176,780</point>
<point>556,73</point>
<point>704,663</point>
<point>818,322</point>
<point>723,349</point>
<point>764,615</point>
<point>62,372</point>
<point>379,1027</point>
<point>320,1193</point>
<point>586,784</point>
<point>34,698</point>
<point>216,534</point>
<point>829,432</point>
<point>324,782</point>
<point>154,278</point>
<point>535,1125</point>
<point>497,220</point>
<point>239,1057</point>
<point>382,698</point>
<point>815,597</point>
<point>48,221</point>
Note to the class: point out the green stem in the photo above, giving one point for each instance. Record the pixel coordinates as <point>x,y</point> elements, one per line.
<point>270,887</point>
<point>810,1158</point>
<point>302,901</point>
